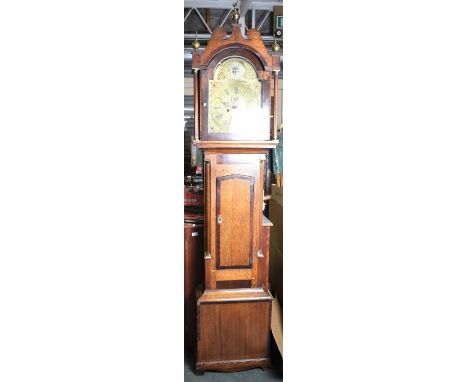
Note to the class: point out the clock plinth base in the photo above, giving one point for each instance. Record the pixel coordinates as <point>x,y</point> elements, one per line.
<point>233,329</point>
<point>236,365</point>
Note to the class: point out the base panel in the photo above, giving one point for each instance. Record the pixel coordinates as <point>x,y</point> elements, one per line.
<point>233,329</point>
<point>237,365</point>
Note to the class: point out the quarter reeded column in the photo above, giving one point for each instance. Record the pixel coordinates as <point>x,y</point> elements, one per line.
<point>207,251</point>
<point>275,105</point>
<point>196,101</point>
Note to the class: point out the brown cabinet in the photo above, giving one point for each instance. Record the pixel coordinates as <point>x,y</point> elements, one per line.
<point>193,275</point>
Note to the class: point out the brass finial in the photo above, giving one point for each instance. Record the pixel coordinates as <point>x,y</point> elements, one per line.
<point>235,15</point>
<point>275,47</point>
<point>196,43</point>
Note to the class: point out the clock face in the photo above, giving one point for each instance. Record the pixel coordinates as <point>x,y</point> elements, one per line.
<point>234,97</point>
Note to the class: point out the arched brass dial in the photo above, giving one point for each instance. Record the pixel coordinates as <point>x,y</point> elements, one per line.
<point>234,96</point>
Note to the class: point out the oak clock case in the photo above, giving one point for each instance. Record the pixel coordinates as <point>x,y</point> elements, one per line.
<point>232,82</point>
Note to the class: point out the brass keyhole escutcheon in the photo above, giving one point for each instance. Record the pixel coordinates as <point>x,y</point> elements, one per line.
<point>219,219</point>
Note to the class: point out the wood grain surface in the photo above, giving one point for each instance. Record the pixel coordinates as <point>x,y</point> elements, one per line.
<point>233,327</point>
<point>235,208</point>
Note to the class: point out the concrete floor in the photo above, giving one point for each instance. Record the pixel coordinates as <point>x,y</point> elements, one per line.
<point>254,375</point>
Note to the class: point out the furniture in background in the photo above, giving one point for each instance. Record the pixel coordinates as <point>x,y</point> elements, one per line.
<point>276,242</point>
<point>193,275</point>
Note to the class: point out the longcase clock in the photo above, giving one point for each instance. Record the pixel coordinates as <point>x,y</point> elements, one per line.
<point>235,126</point>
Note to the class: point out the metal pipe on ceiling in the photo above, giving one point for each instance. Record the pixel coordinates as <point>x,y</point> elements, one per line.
<point>207,36</point>
<point>220,4</point>
<point>263,20</point>
<point>203,20</point>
